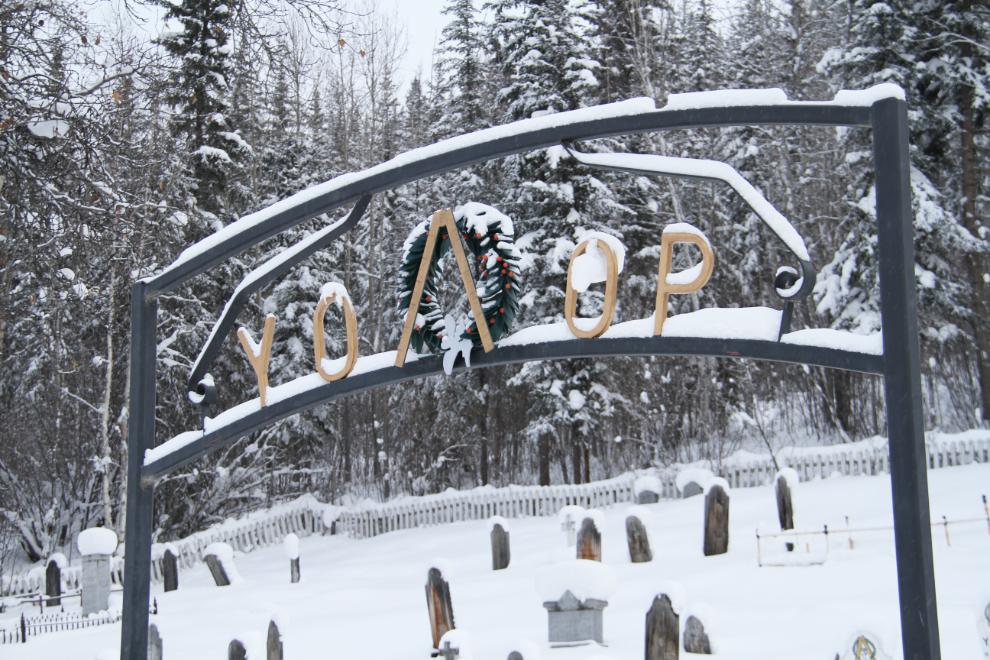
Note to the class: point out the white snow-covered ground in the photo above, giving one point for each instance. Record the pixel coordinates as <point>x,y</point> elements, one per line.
<point>365,598</point>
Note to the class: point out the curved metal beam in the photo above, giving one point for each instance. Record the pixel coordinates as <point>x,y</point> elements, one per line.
<point>438,160</point>
<point>557,350</point>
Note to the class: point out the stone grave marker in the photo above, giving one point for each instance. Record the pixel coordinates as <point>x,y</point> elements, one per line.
<point>523,649</point>
<point>219,558</point>
<point>691,489</point>
<point>716,521</point>
<point>274,645</point>
<point>647,489</point>
<point>569,517</point>
<point>96,545</point>
<point>695,638</point>
<point>662,630</point>
<point>515,655</point>
<point>154,643</point>
<point>500,543</point>
<point>785,506</point>
<point>448,652</point>
<point>571,620</point>
<point>438,603</point>
<point>639,542</point>
<point>170,568</point>
<point>291,543</point>
<point>53,579</point>
<point>589,540</point>
<point>217,571</point>
<point>236,650</point>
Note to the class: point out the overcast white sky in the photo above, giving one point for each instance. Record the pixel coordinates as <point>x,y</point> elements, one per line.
<point>424,23</point>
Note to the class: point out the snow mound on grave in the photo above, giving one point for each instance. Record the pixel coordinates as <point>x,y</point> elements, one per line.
<point>59,560</point>
<point>648,482</point>
<point>460,640</point>
<point>700,476</point>
<point>790,476</point>
<point>97,541</point>
<point>443,565</point>
<point>498,520</point>
<point>582,577</point>
<point>108,654</point>
<point>708,616</point>
<point>717,481</point>
<point>291,543</point>
<point>225,554</point>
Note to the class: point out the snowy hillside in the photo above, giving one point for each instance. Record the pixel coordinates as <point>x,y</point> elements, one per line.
<point>364,598</point>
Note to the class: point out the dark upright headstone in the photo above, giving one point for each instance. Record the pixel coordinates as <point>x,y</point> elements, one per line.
<point>691,489</point>
<point>639,542</point>
<point>216,569</point>
<point>785,507</point>
<point>589,541</point>
<point>647,497</point>
<point>439,605</point>
<point>500,548</point>
<point>154,643</point>
<point>170,567</point>
<point>53,584</point>
<point>662,628</point>
<point>236,651</point>
<point>294,569</point>
<point>515,655</point>
<point>716,521</point>
<point>695,637</point>
<point>274,642</point>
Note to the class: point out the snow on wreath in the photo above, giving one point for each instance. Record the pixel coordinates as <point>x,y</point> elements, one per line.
<point>489,237</point>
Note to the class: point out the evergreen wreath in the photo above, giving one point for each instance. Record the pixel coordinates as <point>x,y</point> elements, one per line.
<point>489,238</point>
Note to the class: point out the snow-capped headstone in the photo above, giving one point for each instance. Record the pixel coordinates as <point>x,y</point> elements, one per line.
<point>695,638</point>
<point>96,545</point>
<point>154,643</point>
<point>53,579</point>
<point>647,489</point>
<point>785,505</point>
<point>500,542</point>
<point>438,602</point>
<point>575,615</point>
<point>589,536</point>
<point>692,481</point>
<point>274,645</point>
<point>170,569</point>
<point>716,517</point>
<point>236,650</point>
<point>662,630</point>
<point>291,543</point>
<point>219,558</point>
<point>569,517</point>
<point>639,541</point>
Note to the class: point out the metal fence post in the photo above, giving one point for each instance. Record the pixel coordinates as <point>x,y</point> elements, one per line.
<point>902,383</point>
<point>140,499</point>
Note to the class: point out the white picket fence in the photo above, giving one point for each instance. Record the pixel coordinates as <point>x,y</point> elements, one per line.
<point>306,516</point>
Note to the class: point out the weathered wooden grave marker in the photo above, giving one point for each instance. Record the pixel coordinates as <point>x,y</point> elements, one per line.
<point>274,646</point>
<point>695,638</point>
<point>53,580</point>
<point>236,650</point>
<point>515,655</point>
<point>218,556</point>
<point>291,543</point>
<point>438,602</point>
<point>716,520</point>
<point>500,543</point>
<point>170,567</point>
<point>785,505</point>
<point>662,630</point>
<point>639,541</point>
<point>589,540</point>
<point>154,643</point>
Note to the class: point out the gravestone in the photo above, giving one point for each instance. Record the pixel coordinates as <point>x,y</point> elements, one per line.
<point>96,545</point>
<point>695,638</point>
<point>647,489</point>
<point>448,652</point>
<point>500,547</point>
<point>53,582</point>
<point>274,642</point>
<point>589,541</point>
<point>170,568</point>
<point>984,625</point>
<point>154,643</point>
<point>785,507</point>
<point>236,650</point>
<point>639,542</point>
<point>439,605</point>
<point>217,571</point>
<point>570,620</point>
<point>662,629</point>
<point>647,497</point>
<point>716,521</point>
<point>515,655</point>
<point>691,489</point>
<point>291,544</point>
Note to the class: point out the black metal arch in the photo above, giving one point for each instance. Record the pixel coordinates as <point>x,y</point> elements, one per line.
<point>899,363</point>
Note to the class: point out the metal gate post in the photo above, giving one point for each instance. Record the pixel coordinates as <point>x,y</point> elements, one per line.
<point>140,500</point>
<point>902,383</point>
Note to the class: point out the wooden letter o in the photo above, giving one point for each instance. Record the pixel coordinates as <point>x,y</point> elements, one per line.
<point>611,284</point>
<point>319,340</point>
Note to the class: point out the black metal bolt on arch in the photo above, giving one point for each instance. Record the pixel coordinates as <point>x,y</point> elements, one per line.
<point>899,363</point>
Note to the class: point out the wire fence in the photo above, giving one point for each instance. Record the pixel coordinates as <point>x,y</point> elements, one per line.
<point>32,626</point>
